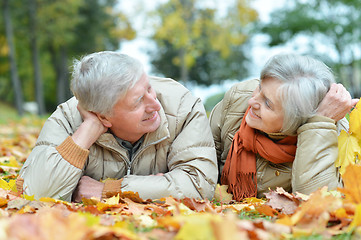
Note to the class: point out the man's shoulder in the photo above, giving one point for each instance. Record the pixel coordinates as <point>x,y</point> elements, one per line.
<point>68,111</point>
<point>170,91</point>
<point>167,85</point>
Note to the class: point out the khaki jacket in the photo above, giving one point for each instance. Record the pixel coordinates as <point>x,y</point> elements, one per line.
<point>316,152</point>
<point>182,148</point>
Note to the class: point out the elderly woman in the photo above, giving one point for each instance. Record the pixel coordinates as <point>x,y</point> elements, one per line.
<point>280,131</point>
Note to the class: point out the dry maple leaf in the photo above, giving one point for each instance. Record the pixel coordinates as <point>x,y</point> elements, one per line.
<point>349,142</point>
<point>355,121</point>
<point>313,215</point>
<point>282,201</point>
<point>221,194</point>
<point>352,184</point>
<point>198,205</point>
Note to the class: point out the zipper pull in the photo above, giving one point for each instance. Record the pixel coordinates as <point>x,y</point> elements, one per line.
<point>128,171</point>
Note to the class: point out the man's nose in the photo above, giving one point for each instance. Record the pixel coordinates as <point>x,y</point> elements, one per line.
<point>153,104</point>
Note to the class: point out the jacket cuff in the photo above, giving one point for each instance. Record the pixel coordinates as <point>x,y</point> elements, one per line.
<point>73,153</point>
<point>319,118</point>
<point>111,188</point>
<point>19,184</point>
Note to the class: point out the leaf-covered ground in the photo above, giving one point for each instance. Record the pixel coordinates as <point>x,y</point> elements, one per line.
<point>280,215</point>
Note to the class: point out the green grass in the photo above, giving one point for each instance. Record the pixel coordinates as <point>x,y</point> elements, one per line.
<point>7,113</point>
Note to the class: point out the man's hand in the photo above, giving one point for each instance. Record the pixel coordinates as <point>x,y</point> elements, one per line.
<point>336,103</point>
<point>87,188</point>
<point>90,129</point>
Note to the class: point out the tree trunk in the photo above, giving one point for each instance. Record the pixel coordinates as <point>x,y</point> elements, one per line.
<point>184,68</point>
<point>13,68</point>
<point>59,62</point>
<point>62,78</point>
<point>35,58</point>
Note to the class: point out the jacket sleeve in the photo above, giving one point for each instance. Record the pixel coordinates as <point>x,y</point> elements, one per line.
<point>314,164</point>
<point>216,119</point>
<point>191,159</point>
<point>54,166</point>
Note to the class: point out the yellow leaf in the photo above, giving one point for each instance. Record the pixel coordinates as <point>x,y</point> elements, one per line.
<point>90,201</point>
<point>348,149</point>
<point>30,198</point>
<point>355,121</point>
<point>221,194</point>
<point>113,200</point>
<point>197,226</point>
<point>12,185</point>
<point>4,184</point>
<point>357,219</point>
<point>13,162</point>
<point>48,199</point>
<point>91,219</point>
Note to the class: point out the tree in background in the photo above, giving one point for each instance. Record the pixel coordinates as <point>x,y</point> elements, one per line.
<point>193,43</point>
<point>65,29</point>
<point>335,24</point>
<point>9,48</point>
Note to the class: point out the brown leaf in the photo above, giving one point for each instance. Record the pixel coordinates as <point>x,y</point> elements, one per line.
<point>48,223</point>
<point>284,203</point>
<point>266,210</point>
<point>198,205</point>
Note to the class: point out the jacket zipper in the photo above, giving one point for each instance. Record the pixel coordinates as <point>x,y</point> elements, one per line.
<point>142,150</point>
<point>129,163</point>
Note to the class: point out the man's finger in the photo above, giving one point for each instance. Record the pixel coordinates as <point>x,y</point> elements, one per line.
<point>354,101</point>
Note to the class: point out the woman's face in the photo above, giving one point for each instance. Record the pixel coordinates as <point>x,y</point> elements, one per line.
<point>266,112</point>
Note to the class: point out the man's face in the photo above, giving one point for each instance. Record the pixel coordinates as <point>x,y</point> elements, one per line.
<point>136,113</point>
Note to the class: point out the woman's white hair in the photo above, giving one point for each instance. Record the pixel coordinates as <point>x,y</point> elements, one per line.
<point>305,83</point>
<point>100,79</point>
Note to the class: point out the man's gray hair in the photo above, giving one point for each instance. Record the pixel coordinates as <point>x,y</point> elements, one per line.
<point>100,79</point>
<point>305,83</point>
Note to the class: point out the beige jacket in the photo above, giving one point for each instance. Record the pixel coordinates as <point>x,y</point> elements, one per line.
<point>182,148</point>
<point>316,153</point>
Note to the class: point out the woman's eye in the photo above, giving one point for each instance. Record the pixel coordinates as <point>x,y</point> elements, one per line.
<point>268,104</point>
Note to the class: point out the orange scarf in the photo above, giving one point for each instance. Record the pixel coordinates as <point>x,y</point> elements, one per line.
<point>239,171</point>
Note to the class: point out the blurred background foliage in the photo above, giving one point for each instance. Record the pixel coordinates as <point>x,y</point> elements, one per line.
<point>193,43</point>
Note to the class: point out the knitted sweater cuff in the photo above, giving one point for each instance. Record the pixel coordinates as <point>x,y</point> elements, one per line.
<point>73,153</point>
<point>111,188</point>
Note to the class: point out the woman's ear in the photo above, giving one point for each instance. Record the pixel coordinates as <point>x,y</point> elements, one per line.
<point>104,120</point>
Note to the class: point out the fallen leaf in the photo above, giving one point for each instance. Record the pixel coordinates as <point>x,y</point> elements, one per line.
<point>355,121</point>
<point>284,203</point>
<point>352,184</point>
<point>348,149</point>
<point>221,194</point>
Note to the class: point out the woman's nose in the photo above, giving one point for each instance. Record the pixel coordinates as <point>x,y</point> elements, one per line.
<point>253,102</point>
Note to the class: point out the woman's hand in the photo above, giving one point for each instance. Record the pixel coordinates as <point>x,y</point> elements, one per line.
<point>90,129</point>
<point>336,103</point>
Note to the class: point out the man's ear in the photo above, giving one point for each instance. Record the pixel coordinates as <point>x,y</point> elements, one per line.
<point>104,120</point>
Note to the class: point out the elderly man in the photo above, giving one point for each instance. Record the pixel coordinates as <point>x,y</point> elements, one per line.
<point>123,131</point>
